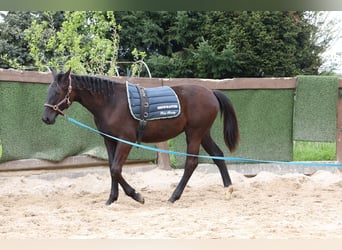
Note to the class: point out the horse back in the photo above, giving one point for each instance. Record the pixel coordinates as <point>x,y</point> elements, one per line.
<point>197,102</point>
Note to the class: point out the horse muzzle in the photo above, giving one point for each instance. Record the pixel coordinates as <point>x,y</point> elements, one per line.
<point>48,120</point>
<point>49,116</point>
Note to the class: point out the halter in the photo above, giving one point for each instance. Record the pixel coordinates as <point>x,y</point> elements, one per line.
<point>66,99</point>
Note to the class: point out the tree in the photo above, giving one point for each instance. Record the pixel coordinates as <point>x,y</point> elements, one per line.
<point>13,47</point>
<point>225,44</point>
<point>211,63</point>
<point>145,31</point>
<point>208,44</point>
<point>326,32</point>
<point>275,43</point>
<point>85,41</point>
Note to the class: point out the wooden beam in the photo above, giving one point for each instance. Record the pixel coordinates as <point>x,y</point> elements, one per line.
<point>24,76</point>
<point>143,81</point>
<point>78,161</point>
<point>35,164</point>
<point>236,83</point>
<point>163,160</point>
<point>233,84</point>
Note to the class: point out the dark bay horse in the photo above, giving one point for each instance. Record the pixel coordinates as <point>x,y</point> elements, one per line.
<point>107,101</point>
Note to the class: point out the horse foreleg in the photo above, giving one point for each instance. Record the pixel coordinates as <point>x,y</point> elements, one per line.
<point>190,165</point>
<point>213,150</point>
<point>120,157</point>
<point>114,191</point>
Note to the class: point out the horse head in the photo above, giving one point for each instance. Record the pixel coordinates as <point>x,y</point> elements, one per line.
<point>59,96</point>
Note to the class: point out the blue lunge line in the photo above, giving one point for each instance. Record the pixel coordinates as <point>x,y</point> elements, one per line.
<point>236,159</point>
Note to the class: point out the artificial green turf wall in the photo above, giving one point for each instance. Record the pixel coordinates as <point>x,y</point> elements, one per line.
<point>269,122</point>
<point>265,121</point>
<point>315,109</point>
<point>24,136</point>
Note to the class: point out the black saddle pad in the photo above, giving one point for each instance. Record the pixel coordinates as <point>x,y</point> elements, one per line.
<point>162,102</point>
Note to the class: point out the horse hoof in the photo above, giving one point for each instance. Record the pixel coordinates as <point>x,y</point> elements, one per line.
<point>139,198</point>
<point>172,200</point>
<point>229,192</point>
<point>109,202</point>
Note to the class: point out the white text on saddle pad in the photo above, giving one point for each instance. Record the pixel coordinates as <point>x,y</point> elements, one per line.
<point>168,107</point>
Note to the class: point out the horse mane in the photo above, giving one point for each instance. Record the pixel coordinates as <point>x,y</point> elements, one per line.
<point>95,84</point>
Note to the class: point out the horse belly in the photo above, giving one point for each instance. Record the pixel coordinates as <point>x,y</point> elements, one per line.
<point>162,130</point>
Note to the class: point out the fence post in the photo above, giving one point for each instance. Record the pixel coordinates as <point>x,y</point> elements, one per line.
<point>339,123</point>
<point>163,160</point>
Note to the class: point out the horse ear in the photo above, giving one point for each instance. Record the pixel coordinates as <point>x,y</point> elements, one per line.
<point>66,75</point>
<point>53,71</point>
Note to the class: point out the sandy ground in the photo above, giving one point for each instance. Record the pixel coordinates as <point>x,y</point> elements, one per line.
<point>71,204</point>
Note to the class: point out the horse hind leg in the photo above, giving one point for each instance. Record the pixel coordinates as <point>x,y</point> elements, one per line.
<point>190,165</point>
<point>213,150</point>
<point>117,178</point>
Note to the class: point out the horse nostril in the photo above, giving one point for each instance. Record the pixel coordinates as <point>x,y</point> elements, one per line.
<point>45,119</point>
<point>48,118</point>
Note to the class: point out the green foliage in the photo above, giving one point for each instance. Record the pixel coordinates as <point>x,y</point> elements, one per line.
<point>137,66</point>
<point>208,44</point>
<point>13,47</point>
<point>204,61</point>
<point>314,151</point>
<point>164,66</point>
<point>86,41</point>
<point>224,44</point>
<point>13,63</point>
<point>145,31</point>
<point>33,36</point>
<point>211,63</point>
<point>270,42</point>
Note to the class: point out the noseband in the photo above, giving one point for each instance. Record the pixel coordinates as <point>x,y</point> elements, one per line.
<point>66,99</point>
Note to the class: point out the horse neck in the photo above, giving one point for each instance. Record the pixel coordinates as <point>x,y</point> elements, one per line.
<point>89,94</point>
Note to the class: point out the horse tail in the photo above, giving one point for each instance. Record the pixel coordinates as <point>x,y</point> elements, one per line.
<point>230,123</point>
